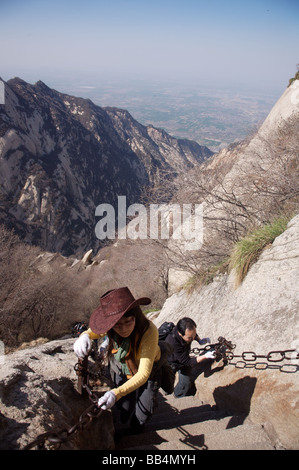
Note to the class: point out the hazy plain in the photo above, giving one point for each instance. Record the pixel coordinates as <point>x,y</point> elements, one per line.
<point>215,116</point>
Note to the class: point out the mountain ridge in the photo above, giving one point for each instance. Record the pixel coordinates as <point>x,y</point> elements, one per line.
<point>61,156</point>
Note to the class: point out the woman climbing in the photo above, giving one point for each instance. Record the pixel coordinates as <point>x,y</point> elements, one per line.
<point>134,355</point>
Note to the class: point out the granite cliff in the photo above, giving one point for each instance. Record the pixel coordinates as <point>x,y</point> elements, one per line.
<point>248,185</point>
<point>62,156</point>
<point>259,316</point>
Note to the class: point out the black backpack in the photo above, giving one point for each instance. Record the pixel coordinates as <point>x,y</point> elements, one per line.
<point>78,328</point>
<point>165,329</point>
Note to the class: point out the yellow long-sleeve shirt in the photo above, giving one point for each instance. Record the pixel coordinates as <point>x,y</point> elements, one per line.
<point>148,353</point>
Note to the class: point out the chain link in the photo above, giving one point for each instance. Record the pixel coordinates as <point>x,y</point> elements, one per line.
<point>248,360</point>
<point>224,350</point>
<point>54,439</point>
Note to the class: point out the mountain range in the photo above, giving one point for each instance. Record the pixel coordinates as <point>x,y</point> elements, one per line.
<point>61,156</point>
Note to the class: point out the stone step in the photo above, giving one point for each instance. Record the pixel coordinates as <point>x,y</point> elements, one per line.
<point>248,436</point>
<point>188,424</point>
<point>172,412</point>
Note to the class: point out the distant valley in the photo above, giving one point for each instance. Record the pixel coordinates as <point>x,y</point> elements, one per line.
<point>61,156</point>
<point>212,116</point>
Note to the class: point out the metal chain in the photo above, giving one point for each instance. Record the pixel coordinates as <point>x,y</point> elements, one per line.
<point>249,359</point>
<point>56,438</point>
<point>224,350</point>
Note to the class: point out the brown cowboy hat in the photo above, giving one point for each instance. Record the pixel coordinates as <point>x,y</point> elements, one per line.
<point>113,305</point>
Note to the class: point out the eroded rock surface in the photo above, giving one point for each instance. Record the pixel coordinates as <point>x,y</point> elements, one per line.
<point>261,315</point>
<point>38,393</point>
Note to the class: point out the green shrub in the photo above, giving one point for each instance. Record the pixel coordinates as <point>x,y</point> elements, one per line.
<point>247,250</point>
<point>205,276</point>
<point>296,77</point>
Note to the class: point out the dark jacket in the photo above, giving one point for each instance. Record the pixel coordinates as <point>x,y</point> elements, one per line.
<point>180,357</point>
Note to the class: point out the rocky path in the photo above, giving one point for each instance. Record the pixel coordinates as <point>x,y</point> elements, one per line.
<point>38,393</point>
<point>188,424</point>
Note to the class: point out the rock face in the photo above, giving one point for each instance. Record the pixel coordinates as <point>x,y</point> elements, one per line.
<point>261,316</point>
<point>239,189</point>
<point>38,393</point>
<point>61,156</point>
<point>275,139</point>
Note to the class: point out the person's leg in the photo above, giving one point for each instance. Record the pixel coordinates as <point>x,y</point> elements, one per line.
<point>125,404</point>
<point>184,383</point>
<point>146,403</point>
<point>200,368</point>
<point>187,376</point>
<point>147,397</point>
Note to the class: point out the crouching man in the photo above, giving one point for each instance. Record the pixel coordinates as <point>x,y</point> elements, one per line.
<point>180,360</point>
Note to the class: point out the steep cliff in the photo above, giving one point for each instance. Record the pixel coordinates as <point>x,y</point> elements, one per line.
<point>244,186</point>
<point>62,156</point>
<point>260,316</point>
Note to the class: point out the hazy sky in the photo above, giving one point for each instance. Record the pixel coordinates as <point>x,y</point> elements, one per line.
<point>251,42</point>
